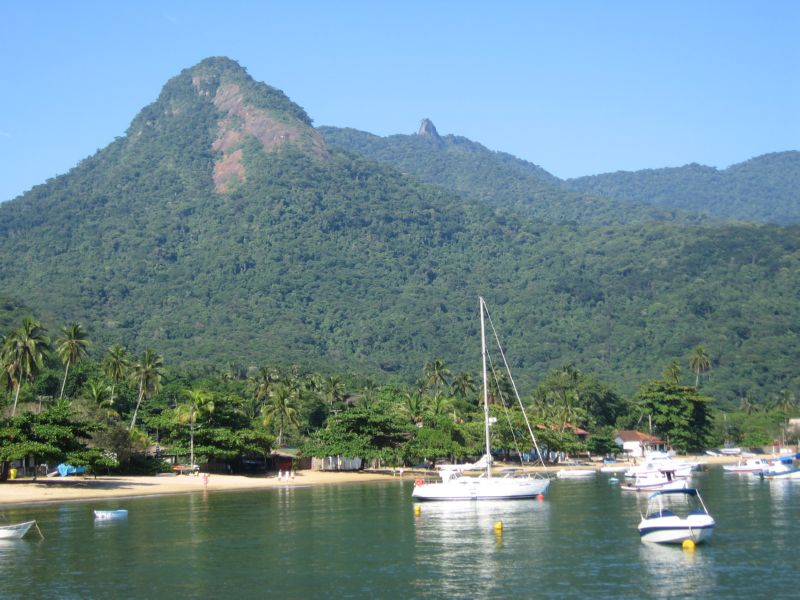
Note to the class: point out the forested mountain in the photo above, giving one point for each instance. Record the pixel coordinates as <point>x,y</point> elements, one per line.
<point>223,228</point>
<point>763,189</point>
<point>494,178</point>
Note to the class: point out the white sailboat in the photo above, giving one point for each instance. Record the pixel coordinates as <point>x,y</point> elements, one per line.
<point>455,485</point>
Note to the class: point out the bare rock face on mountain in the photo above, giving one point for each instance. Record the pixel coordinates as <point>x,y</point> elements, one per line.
<point>428,130</point>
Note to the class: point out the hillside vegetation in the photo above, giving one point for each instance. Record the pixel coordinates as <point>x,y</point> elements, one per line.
<point>763,189</point>
<point>201,234</point>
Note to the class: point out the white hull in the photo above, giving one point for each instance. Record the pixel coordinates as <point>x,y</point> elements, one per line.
<point>655,486</point>
<point>15,532</point>
<point>674,530</point>
<point>575,473</point>
<point>482,488</point>
<point>104,515</point>
<point>749,466</point>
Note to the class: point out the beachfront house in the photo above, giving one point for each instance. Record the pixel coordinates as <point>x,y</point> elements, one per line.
<point>636,444</point>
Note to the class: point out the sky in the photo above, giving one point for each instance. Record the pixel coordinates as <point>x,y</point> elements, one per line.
<point>576,87</point>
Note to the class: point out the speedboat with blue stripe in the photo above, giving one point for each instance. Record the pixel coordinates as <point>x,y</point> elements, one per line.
<point>674,516</point>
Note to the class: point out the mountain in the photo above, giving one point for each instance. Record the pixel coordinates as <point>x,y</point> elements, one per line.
<point>763,189</point>
<point>494,178</point>
<point>223,228</point>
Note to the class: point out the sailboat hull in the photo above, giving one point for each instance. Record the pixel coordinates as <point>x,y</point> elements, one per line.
<point>474,488</point>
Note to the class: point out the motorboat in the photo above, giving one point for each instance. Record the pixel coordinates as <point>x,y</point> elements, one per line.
<point>660,461</point>
<point>655,481</point>
<point>105,515</point>
<point>749,465</point>
<point>674,516</point>
<point>780,469</point>
<point>575,473</point>
<point>455,484</point>
<point>15,531</point>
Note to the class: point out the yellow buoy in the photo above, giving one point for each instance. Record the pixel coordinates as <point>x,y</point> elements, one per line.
<point>417,510</point>
<point>498,526</point>
<point>688,545</point>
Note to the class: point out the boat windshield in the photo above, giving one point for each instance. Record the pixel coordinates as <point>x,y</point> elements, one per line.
<point>674,504</point>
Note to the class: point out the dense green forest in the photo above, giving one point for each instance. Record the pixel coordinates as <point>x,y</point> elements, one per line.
<point>492,178</point>
<point>763,189</point>
<point>323,258</point>
<point>126,412</point>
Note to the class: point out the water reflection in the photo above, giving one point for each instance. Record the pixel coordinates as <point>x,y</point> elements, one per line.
<point>458,542</point>
<point>673,572</point>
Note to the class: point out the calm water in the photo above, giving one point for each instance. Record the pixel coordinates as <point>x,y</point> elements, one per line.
<point>364,541</point>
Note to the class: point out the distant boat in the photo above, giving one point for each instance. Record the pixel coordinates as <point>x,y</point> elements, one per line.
<point>575,473</point>
<point>750,465</point>
<point>675,516</point>
<point>454,485</point>
<point>16,531</point>
<point>104,515</point>
<point>659,481</point>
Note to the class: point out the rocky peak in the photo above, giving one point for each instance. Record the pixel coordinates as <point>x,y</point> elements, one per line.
<point>428,130</point>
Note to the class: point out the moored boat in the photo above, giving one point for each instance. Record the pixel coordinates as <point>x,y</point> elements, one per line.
<point>455,485</point>
<point>750,465</point>
<point>658,481</point>
<point>674,516</point>
<point>15,531</point>
<point>103,515</point>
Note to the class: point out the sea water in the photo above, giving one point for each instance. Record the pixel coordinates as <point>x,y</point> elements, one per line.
<point>368,541</point>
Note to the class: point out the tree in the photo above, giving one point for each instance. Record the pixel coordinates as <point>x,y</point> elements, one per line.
<point>463,385</point>
<point>679,414</point>
<point>280,408</point>
<point>699,363</point>
<point>673,372</point>
<point>115,366</point>
<point>71,346</point>
<point>147,372</point>
<point>436,375</point>
<point>200,402</point>
<point>23,354</point>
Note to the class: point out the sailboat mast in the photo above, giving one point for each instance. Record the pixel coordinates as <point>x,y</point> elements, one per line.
<point>485,393</point>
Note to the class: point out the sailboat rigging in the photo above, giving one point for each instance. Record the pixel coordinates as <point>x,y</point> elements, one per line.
<point>454,485</point>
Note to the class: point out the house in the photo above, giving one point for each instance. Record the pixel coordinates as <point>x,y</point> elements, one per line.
<point>636,444</point>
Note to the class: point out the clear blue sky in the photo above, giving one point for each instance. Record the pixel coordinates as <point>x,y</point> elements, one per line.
<point>578,88</point>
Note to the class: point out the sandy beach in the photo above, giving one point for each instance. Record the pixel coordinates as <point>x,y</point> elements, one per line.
<point>66,489</point>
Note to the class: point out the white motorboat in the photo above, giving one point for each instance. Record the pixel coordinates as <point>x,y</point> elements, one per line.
<point>780,469</point>
<point>657,481</point>
<point>455,485</point>
<point>15,531</point>
<point>750,465</point>
<point>675,516</point>
<point>575,473</point>
<point>105,515</point>
<point>660,461</point>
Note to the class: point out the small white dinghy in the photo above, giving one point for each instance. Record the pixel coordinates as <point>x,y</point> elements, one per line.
<point>674,516</point>
<point>16,531</point>
<point>575,473</point>
<point>105,515</point>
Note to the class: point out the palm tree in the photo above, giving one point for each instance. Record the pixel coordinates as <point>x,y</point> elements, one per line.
<point>413,406</point>
<point>116,366</point>
<point>23,354</point>
<point>699,362</point>
<point>333,390</point>
<point>147,372</point>
<point>436,375</point>
<point>71,346</point>
<point>463,385</point>
<point>280,408</point>
<point>673,372</point>
<point>200,402</point>
<point>96,395</point>
<point>747,406</point>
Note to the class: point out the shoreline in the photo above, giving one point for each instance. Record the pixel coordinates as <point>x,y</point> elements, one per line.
<point>48,490</point>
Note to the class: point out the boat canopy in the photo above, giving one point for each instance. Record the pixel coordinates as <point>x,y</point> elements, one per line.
<point>687,491</point>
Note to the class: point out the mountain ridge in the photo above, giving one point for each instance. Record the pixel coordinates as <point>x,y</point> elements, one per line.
<point>345,263</point>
